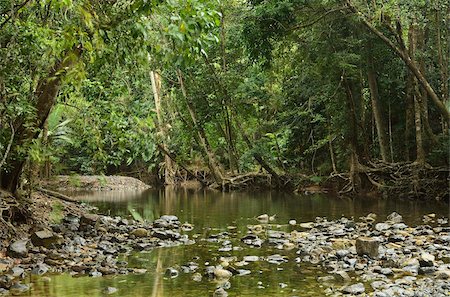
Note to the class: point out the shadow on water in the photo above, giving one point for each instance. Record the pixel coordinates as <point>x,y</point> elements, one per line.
<point>212,212</point>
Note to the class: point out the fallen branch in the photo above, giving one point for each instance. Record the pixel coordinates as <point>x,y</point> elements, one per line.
<point>57,195</point>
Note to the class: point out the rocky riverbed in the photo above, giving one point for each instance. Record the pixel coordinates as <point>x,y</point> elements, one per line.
<point>364,257</point>
<point>89,244</point>
<point>368,256</point>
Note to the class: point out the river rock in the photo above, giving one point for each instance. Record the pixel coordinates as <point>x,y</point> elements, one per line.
<point>18,288</point>
<point>443,274</point>
<point>6,281</point>
<point>354,289</point>
<point>426,260</point>
<point>40,269</point>
<point>17,271</point>
<point>110,290</point>
<point>220,292</point>
<point>382,227</point>
<point>89,219</point>
<point>251,258</point>
<point>222,274</point>
<point>395,218</point>
<point>186,227</point>
<point>46,238</point>
<point>171,272</point>
<point>264,218</point>
<point>18,249</point>
<point>367,246</point>
<point>341,276</point>
<point>197,277</point>
<point>308,225</point>
<point>140,232</point>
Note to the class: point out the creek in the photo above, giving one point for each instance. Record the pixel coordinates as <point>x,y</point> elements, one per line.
<point>220,220</point>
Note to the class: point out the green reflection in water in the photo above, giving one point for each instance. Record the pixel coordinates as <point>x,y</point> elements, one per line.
<point>211,213</point>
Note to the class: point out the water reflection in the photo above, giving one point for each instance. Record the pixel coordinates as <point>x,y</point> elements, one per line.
<point>216,209</point>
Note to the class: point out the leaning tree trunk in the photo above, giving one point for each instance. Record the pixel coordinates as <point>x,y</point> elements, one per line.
<point>45,95</point>
<point>212,161</point>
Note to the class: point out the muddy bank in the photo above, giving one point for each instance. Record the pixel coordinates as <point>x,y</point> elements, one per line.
<point>93,183</point>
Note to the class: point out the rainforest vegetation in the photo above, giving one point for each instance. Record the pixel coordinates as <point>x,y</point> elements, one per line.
<point>231,93</point>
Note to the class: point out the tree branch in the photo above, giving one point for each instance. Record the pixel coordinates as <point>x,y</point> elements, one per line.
<point>8,148</point>
<point>13,13</point>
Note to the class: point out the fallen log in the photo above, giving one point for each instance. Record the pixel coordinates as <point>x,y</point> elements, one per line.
<point>57,195</point>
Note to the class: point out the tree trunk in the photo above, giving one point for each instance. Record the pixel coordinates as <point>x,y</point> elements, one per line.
<point>169,166</point>
<point>45,95</point>
<point>353,138</point>
<point>377,112</point>
<point>47,165</point>
<point>212,161</point>
<point>420,152</point>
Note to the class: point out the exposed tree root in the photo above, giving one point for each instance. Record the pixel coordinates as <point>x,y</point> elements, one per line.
<point>404,180</point>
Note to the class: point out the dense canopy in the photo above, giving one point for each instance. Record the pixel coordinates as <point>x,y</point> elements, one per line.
<point>230,90</point>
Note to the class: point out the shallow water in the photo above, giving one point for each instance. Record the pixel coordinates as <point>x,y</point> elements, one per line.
<point>211,213</point>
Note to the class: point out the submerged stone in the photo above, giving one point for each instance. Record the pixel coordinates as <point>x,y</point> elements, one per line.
<point>354,289</point>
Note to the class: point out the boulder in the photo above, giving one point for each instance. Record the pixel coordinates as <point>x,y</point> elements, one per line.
<point>367,246</point>
<point>46,238</point>
<point>18,249</point>
<point>89,219</point>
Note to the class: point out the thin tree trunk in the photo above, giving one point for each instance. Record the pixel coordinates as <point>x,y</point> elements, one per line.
<point>353,139</point>
<point>212,161</point>
<point>377,112</point>
<point>169,165</point>
<point>420,152</point>
<point>47,164</point>
<point>332,157</point>
<point>443,57</point>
